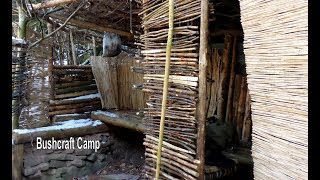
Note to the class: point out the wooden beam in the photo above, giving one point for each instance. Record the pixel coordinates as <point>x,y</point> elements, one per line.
<point>92,26</point>
<point>202,114</point>
<point>49,4</point>
<point>120,119</point>
<point>71,67</point>
<point>57,131</point>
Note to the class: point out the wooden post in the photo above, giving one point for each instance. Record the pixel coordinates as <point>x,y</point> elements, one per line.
<point>231,82</point>
<point>202,86</point>
<point>224,80</point>
<point>17,161</point>
<point>246,128</point>
<point>241,106</point>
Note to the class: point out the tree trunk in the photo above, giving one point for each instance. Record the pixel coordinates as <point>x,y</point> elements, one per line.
<point>21,34</point>
<point>94,49</point>
<point>50,65</point>
<point>18,151</point>
<point>73,50</point>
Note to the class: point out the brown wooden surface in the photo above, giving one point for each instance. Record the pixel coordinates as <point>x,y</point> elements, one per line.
<point>75,110</point>
<point>58,134</point>
<point>231,82</point>
<point>125,119</point>
<point>203,61</point>
<point>17,161</point>
<point>75,94</point>
<point>73,106</point>
<point>104,70</point>
<point>71,67</point>
<point>52,3</point>
<point>241,106</point>
<point>71,101</point>
<point>224,79</point>
<point>89,25</point>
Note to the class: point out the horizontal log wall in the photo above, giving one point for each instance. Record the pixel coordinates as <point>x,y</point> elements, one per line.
<point>227,87</point>
<point>71,82</point>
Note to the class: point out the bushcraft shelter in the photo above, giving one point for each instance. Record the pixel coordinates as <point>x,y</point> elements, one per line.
<point>244,62</point>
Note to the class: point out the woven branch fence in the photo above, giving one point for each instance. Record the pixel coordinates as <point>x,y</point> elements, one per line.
<point>178,159</point>
<point>276,52</point>
<point>21,65</point>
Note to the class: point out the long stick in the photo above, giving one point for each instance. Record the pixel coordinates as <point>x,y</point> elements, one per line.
<point>165,86</point>
<point>202,85</point>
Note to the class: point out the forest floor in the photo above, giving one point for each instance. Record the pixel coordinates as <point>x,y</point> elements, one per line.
<point>127,159</point>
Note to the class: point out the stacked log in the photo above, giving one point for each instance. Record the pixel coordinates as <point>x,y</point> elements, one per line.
<point>178,159</point>
<point>74,90</point>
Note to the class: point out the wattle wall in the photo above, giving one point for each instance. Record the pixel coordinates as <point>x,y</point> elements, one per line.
<point>276,54</point>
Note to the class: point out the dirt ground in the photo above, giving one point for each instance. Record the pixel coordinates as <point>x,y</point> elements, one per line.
<point>127,156</point>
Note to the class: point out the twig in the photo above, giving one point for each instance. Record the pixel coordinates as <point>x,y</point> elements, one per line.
<point>35,43</point>
<point>52,11</point>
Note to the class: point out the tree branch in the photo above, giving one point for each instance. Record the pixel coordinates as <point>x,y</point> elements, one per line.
<point>47,36</point>
<point>51,4</point>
